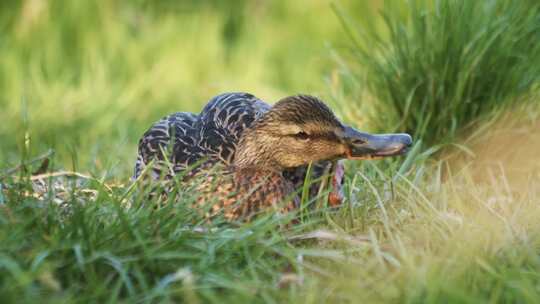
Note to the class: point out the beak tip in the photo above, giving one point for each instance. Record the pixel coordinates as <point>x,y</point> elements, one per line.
<point>407,140</point>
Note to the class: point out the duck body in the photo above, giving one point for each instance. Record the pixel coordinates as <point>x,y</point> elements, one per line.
<point>244,192</point>
<point>185,143</point>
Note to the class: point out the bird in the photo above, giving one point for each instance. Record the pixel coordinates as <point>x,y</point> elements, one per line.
<point>247,154</point>
<point>184,141</point>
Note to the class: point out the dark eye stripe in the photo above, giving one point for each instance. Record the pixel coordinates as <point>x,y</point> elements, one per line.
<point>331,136</point>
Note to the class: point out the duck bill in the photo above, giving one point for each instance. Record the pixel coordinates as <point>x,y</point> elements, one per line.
<point>372,146</point>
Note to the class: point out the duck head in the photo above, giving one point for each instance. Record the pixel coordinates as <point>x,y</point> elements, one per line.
<point>301,129</point>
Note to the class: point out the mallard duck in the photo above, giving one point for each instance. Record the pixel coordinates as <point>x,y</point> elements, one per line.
<point>254,145</point>
<point>182,140</point>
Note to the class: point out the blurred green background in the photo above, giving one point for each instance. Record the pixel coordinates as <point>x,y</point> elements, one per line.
<point>87,78</point>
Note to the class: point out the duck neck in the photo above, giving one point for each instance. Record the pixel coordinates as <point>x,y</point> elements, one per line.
<point>254,152</point>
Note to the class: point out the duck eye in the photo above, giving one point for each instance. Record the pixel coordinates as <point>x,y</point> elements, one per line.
<point>301,135</point>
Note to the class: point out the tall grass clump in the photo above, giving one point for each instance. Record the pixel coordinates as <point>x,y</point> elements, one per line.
<point>438,66</point>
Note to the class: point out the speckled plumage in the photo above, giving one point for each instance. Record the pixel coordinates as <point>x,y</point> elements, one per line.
<point>211,135</point>
<point>244,192</point>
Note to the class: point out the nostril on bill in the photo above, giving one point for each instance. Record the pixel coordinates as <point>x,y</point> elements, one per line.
<point>359,141</point>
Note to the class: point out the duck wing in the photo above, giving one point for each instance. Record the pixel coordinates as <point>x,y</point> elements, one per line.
<point>208,137</point>
<point>155,145</point>
<point>223,120</point>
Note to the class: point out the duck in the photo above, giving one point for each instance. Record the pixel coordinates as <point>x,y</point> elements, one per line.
<point>253,152</point>
<point>183,143</point>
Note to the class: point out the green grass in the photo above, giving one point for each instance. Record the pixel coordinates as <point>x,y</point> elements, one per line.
<point>438,67</point>
<point>86,79</point>
<point>442,232</point>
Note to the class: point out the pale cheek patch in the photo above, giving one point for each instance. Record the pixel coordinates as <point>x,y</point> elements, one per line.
<point>328,149</point>
<point>333,145</point>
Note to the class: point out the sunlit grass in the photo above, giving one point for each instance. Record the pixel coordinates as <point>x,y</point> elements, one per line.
<point>459,230</point>
<point>437,67</point>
